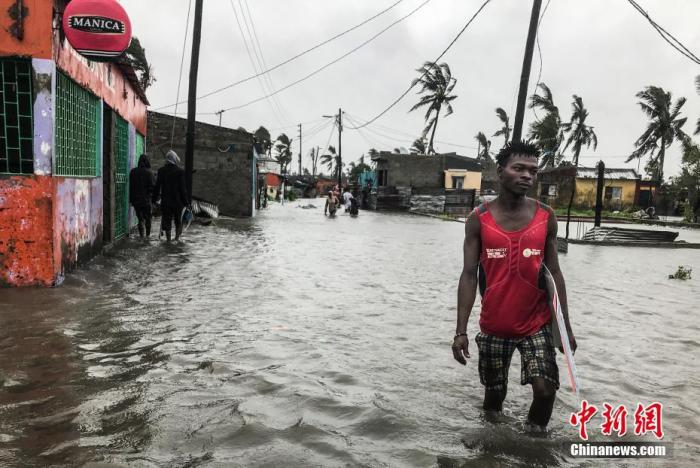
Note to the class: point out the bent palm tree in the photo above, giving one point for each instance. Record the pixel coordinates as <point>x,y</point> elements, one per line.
<point>546,132</point>
<point>484,147</point>
<point>663,129</point>
<point>580,135</point>
<point>437,82</point>
<point>506,129</point>
<point>284,152</point>
<point>418,146</point>
<point>330,160</point>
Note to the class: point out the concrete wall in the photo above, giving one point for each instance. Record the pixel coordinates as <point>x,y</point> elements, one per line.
<point>224,172</point>
<point>412,171</point>
<point>37,29</point>
<point>586,191</point>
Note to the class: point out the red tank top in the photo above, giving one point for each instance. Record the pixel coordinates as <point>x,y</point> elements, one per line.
<point>512,304</point>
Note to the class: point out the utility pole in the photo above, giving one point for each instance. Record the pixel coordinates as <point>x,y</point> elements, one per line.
<point>525,75</point>
<point>300,150</point>
<point>340,148</point>
<point>192,97</point>
<point>220,113</point>
<point>599,194</point>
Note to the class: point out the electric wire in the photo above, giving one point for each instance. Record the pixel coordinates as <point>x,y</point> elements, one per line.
<point>434,61</point>
<point>539,52</point>
<point>668,37</point>
<point>179,78</point>
<point>291,59</point>
<point>263,65</point>
<point>253,63</point>
<point>333,62</point>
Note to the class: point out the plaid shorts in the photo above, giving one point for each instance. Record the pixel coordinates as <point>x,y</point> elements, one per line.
<point>537,357</point>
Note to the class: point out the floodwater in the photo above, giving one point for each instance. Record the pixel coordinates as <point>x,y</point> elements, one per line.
<point>293,339</point>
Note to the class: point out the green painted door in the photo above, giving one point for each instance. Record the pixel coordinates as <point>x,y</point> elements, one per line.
<point>121,179</point>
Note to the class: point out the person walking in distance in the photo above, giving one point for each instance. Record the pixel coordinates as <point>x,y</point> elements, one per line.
<point>507,243</point>
<point>141,182</point>
<point>171,190</point>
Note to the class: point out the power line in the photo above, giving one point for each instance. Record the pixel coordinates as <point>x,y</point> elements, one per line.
<point>179,77</point>
<point>539,51</point>
<point>301,54</point>
<point>434,61</point>
<point>252,61</point>
<point>668,37</point>
<point>261,60</point>
<point>315,72</point>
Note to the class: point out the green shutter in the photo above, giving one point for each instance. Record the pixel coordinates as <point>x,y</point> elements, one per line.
<point>121,179</point>
<point>77,130</point>
<point>16,123</point>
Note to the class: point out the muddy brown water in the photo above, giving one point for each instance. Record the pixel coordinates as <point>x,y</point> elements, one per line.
<point>293,339</point>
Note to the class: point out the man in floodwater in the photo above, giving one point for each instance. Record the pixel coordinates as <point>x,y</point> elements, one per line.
<point>171,189</point>
<point>141,183</point>
<point>331,203</point>
<point>506,242</point>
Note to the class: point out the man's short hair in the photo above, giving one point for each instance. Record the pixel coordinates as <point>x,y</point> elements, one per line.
<point>524,148</point>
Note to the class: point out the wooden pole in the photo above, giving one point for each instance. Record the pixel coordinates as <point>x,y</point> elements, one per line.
<point>192,97</point>
<point>525,74</point>
<point>599,194</point>
<point>340,149</point>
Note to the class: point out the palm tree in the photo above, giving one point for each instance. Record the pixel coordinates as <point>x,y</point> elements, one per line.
<point>135,56</point>
<point>262,135</point>
<point>484,147</point>
<point>579,135</point>
<point>330,160</point>
<point>284,152</point>
<point>546,132</point>
<point>314,161</point>
<point>663,129</point>
<point>418,146</point>
<point>506,129</point>
<point>437,82</point>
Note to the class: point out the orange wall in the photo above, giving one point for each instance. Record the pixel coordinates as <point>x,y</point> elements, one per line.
<point>37,29</point>
<point>26,244</point>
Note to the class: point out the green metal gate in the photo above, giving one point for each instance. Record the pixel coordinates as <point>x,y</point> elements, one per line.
<point>121,179</point>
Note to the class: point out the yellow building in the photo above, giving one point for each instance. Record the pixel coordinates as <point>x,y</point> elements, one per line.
<point>621,187</point>
<point>462,179</point>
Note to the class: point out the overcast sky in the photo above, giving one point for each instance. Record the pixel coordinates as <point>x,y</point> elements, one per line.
<point>601,50</point>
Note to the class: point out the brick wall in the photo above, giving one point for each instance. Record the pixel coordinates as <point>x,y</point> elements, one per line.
<point>223,171</point>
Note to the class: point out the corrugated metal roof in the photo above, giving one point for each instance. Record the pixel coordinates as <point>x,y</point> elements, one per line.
<point>610,173</point>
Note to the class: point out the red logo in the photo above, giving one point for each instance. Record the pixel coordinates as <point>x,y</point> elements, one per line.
<point>647,419</point>
<point>97,29</point>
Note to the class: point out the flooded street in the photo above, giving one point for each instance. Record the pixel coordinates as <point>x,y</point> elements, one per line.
<point>293,339</point>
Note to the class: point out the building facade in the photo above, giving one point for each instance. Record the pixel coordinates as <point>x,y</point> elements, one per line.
<point>623,188</point>
<point>70,131</point>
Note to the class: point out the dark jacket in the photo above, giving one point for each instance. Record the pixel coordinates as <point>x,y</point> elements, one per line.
<point>170,187</point>
<point>141,182</point>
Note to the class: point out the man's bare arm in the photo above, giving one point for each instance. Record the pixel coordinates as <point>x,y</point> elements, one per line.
<point>466,291</point>
<point>551,259</point>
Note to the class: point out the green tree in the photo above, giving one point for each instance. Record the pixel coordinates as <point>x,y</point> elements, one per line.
<point>546,132</point>
<point>437,83</point>
<point>506,129</point>
<point>687,184</point>
<point>284,152</point>
<point>355,169</point>
<point>419,146</point>
<point>262,135</point>
<point>330,159</point>
<point>135,56</point>
<point>484,147</point>
<point>579,135</point>
<point>664,128</point>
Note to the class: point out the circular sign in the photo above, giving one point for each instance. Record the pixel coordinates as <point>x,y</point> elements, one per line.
<point>97,29</point>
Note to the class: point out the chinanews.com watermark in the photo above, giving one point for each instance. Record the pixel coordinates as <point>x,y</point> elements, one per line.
<point>647,420</point>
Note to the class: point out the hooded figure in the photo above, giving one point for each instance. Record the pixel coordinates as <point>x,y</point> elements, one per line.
<point>171,189</point>
<point>141,182</point>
